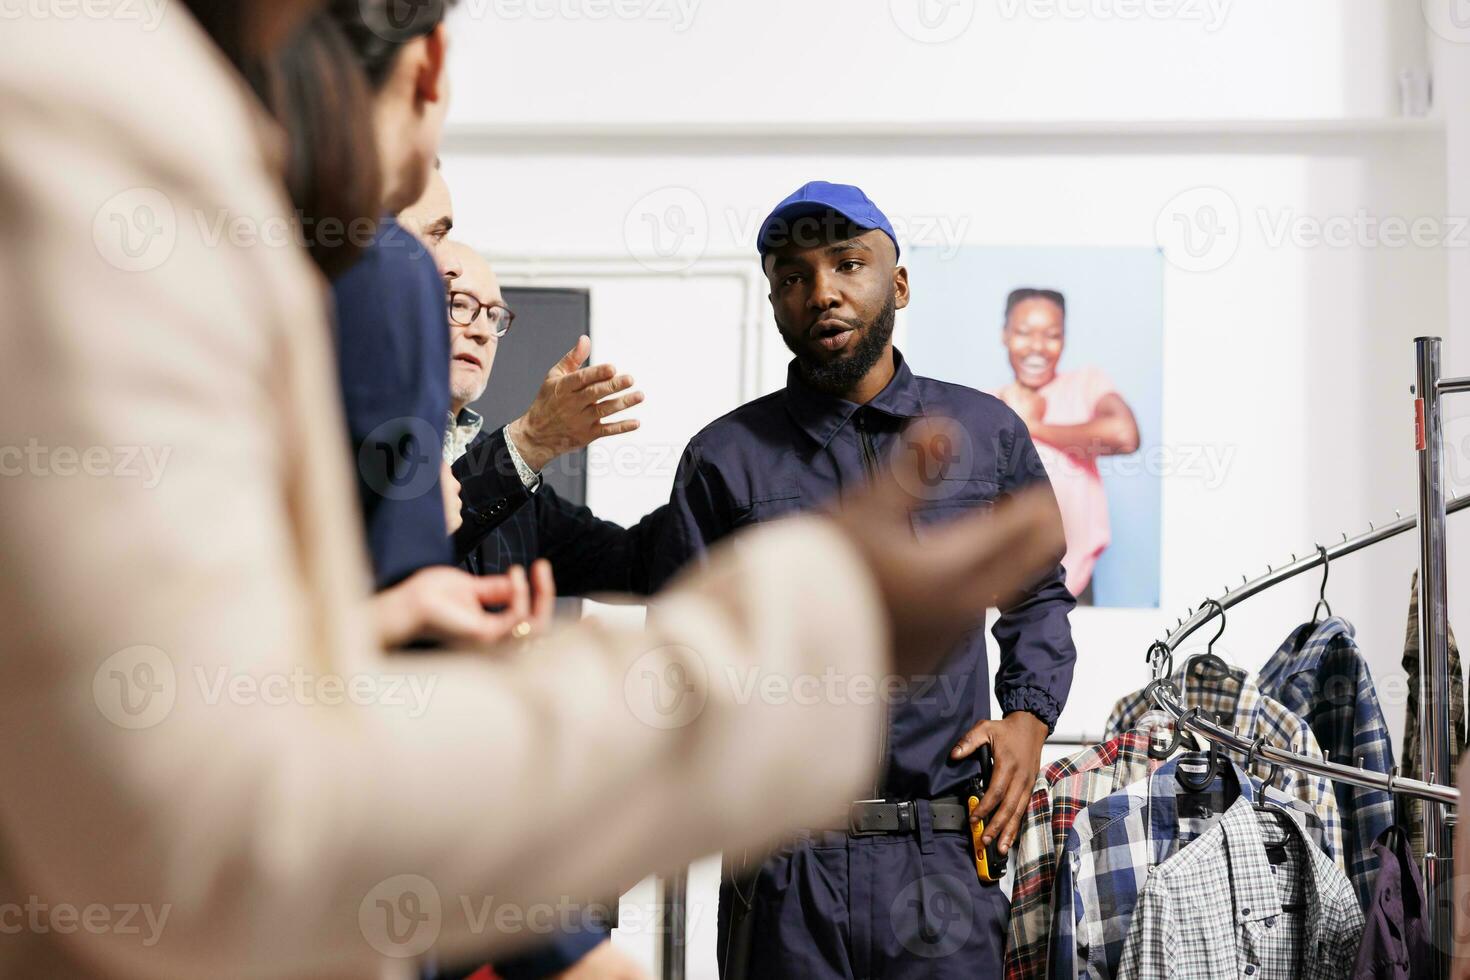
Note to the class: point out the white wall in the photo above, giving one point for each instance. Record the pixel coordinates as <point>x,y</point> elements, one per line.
<point>1290,359</point>
<point>721,61</point>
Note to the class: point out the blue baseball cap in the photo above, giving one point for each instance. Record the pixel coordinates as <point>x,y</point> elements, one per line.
<point>817,200</point>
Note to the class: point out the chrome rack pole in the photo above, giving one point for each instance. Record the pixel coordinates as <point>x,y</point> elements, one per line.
<point>1434,682</point>
<point>1164,695</point>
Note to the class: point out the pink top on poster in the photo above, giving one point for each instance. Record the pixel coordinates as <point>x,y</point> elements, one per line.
<point>1071,399</point>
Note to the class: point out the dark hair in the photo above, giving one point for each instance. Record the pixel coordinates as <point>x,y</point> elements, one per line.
<point>242,29</point>
<point>316,91</point>
<point>1019,296</point>
<point>378,29</point>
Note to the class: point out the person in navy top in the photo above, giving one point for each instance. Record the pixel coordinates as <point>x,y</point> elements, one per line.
<point>906,902</point>
<point>391,352</point>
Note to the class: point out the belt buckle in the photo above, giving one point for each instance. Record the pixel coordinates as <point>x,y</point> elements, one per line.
<point>852,819</point>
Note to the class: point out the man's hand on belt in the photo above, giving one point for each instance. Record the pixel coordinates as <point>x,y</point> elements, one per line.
<point>1016,742</point>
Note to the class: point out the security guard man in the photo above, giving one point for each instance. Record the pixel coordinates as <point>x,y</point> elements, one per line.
<point>889,889</point>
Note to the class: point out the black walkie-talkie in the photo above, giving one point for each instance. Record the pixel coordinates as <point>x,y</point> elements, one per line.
<point>990,863</point>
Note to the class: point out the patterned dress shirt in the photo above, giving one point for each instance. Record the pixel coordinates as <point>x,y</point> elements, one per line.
<point>1249,899</point>
<point>1320,674</point>
<point>1114,844</point>
<point>1236,701</point>
<point>1062,791</point>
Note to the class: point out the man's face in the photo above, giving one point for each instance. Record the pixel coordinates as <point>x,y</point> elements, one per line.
<point>471,348</point>
<point>431,217</point>
<point>835,303</point>
<point>1034,336</point>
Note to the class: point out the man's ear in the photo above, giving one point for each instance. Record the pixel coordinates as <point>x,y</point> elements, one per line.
<point>900,288</point>
<point>431,84</point>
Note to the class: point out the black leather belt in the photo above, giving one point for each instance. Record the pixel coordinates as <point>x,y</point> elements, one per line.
<point>871,818</point>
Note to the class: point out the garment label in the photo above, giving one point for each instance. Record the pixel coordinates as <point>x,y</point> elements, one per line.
<point>1277,854</point>
<point>1196,806</point>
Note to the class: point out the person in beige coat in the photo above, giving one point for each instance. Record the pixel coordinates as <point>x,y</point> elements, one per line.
<point>209,766</point>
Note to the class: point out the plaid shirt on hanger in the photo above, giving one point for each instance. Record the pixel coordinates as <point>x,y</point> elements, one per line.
<point>1110,848</point>
<point>1412,760</point>
<point>1236,700</point>
<point>1320,674</point>
<point>1215,911</point>
<point>1062,791</point>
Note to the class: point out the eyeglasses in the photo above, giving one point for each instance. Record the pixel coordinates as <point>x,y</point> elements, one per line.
<point>464,310</point>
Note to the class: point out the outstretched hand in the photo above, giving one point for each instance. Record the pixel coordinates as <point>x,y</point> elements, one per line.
<point>571,409</point>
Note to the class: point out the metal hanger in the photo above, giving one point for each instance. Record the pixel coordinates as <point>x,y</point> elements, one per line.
<point>1210,661</point>
<point>1268,782</point>
<point>1322,602</point>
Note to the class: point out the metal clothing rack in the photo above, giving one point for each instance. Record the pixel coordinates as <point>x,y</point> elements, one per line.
<point>1434,681</point>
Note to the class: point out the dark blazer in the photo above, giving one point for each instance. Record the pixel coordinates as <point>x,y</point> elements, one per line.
<point>505,525</point>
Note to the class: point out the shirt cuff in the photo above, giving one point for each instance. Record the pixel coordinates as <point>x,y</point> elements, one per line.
<point>1033,700</point>
<point>530,479</point>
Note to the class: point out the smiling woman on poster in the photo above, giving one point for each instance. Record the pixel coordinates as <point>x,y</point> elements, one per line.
<point>1074,417</point>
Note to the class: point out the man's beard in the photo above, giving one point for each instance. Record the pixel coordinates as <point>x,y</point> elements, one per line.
<point>842,374</point>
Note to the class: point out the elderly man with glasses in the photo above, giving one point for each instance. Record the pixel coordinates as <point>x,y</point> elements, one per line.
<point>588,555</point>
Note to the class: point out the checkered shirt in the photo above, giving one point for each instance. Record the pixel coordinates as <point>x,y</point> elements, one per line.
<point>1413,760</point>
<point>1215,910</point>
<point>1320,674</point>
<point>1115,842</point>
<point>1236,701</point>
<point>1062,791</point>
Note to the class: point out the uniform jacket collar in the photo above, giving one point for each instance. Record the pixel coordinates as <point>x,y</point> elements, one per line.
<point>820,415</point>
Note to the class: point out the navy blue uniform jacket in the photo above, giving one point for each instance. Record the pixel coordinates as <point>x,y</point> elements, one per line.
<point>828,906</point>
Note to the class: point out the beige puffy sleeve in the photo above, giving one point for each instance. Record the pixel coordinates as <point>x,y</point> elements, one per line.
<point>195,724</point>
